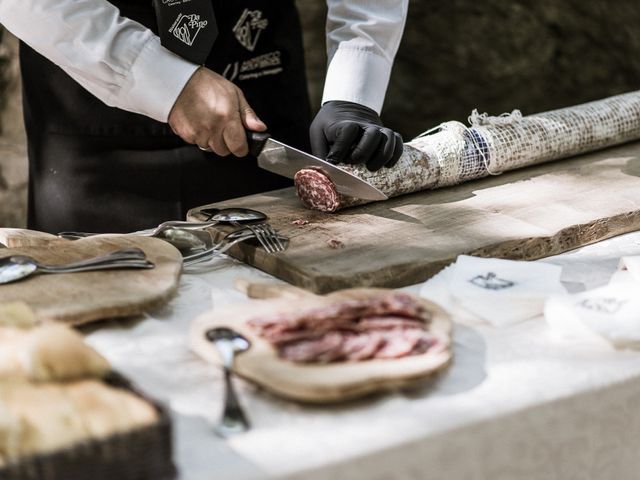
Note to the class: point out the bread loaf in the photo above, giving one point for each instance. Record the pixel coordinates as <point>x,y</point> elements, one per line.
<point>56,352</point>
<point>52,394</point>
<point>105,410</point>
<point>47,353</point>
<point>45,417</point>
<point>17,314</point>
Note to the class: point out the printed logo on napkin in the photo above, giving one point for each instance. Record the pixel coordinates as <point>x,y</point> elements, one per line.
<point>610,313</point>
<point>187,27</point>
<point>249,27</point>
<point>608,305</point>
<point>490,281</point>
<point>502,292</point>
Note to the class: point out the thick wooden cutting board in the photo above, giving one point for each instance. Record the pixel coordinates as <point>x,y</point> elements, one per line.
<point>317,383</point>
<point>79,298</point>
<point>524,214</point>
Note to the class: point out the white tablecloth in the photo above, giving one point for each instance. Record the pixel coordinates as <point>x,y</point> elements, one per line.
<point>515,404</point>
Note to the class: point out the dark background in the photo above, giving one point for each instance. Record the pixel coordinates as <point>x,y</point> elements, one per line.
<point>456,55</point>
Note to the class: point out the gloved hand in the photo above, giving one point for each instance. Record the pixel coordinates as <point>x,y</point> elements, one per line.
<point>347,132</point>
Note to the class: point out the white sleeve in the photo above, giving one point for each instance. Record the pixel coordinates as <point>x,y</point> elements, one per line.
<point>116,59</point>
<point>362,40</point>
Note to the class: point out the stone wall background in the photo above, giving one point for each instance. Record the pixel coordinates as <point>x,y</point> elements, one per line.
<point>13,161</point>
<point>455,56</point>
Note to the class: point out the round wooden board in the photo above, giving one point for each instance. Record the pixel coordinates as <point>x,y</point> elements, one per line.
<point>319,383</point>
<point>79,298</point>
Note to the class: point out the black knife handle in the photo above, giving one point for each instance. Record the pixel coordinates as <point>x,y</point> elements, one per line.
<point>256,141</point>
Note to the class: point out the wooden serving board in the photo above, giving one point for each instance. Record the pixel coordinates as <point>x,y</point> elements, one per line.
<point>524,214</point>
<point>317,383</point>
<point>79,298</point>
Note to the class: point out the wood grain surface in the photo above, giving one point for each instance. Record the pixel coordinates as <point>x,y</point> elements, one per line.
<point>79,298</point>
<point>317,383</point>
<point>524,214</point>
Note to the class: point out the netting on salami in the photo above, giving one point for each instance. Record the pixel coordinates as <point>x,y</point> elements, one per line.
<point>454,153</point>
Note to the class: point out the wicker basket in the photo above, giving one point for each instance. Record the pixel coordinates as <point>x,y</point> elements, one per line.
<point>141,454</point>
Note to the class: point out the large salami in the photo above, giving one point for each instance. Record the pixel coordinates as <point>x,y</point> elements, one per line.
<point>419,168</point>
<point>456,153</point>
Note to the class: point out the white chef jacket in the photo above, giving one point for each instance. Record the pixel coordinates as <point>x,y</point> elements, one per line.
<point>123,64</point>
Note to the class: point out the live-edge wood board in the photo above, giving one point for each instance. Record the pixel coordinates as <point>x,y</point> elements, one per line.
<point>83,297</point>
<point>524,214</point>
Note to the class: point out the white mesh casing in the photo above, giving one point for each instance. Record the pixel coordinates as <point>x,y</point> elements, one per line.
<point>515,141</point>
<point>453,153</point>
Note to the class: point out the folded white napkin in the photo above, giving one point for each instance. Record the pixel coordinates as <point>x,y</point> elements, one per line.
<point>500,292</point>
<point>628,271</point>
<point>436,289</point>
<point>610,313</point>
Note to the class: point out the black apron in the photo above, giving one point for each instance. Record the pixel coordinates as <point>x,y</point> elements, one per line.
<point>98,168</point>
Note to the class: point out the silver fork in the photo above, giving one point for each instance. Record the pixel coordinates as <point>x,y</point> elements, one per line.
<point>274,234</point>
<point>221,247</point>
<point>217,249</point>
<point>267,236</point>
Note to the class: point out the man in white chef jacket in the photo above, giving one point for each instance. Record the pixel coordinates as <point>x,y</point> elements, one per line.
<point>114,119</point>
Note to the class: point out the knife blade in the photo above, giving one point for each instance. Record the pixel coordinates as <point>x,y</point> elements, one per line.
<point>282,159</point>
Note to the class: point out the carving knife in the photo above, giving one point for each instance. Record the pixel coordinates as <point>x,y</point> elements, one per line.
<point>284,160</point>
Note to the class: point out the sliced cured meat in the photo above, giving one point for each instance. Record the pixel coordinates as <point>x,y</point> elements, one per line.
<point>339,315</point>
<point>388,322</point>
<point>335,347</point>
<point>362,346</point>
<point>400,343</point>
<point>400,304</point>
<point>323,349</point>
<point>290,336</point>
<point>426,342</point>
<point>318,320</point>
<point>389,325</point>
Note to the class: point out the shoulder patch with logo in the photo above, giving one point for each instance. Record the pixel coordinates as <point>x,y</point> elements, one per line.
<point>249,27</point>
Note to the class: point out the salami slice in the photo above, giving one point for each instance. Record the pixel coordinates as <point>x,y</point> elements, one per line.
<point>325,349</point>
<point>398,343</point>
<point>362,346</point>
<point>389,322</point>
<point>316,191</point>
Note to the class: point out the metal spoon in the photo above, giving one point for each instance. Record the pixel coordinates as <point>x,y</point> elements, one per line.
<point>231,215</point>
<point>17,267</point>
<point>188,242</point>
<point>229,343</point>
<point>215,216</point>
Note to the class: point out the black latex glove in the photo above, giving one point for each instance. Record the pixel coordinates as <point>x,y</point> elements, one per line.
<point>346,132</point>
